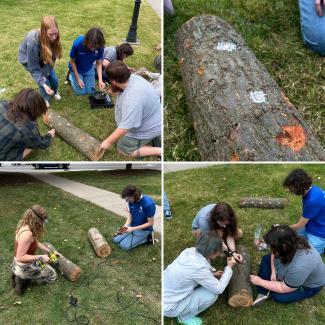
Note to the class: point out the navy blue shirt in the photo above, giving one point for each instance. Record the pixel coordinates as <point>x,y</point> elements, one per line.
<point>84,57</point>
<point>314,210</point>
<point>141,211</point>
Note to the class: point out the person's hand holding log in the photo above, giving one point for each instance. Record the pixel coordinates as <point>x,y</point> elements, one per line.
<point>52,133</point>
<point>231,262</point>
<point>238,257</point>
<point>256,280</point>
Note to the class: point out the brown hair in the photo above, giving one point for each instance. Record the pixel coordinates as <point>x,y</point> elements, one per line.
<point>123,49</point>
<point>118,71</point>
<point>131,191</point>
<point>27,105</point>
<point>49,50</point>
<point>33,218</point>
<point>94,38</point>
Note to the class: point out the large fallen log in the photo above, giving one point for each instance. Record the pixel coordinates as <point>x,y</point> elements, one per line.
<point>77,138</point>
<point>70,271</point>
<point>99,243</point>
<point>240,292</point>
<point>239,111</point>
<point>263,202</point>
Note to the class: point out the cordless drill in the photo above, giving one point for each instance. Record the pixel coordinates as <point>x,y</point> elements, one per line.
<point>54,260</point>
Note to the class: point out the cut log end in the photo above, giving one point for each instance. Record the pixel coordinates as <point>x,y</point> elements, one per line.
<point>242,299</point>
<point>104,251</point>
<point>75,274</point>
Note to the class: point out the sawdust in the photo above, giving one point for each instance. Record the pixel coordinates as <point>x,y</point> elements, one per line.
<point>292,136</point>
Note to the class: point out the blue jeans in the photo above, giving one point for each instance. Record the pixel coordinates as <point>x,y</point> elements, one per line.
<point>299,294</point>
<point>317,242</point>
<point>88,79</point>
<point>128,241</point>
<point>312,26</point>
<point>166,205</point>
<point>53,82</point>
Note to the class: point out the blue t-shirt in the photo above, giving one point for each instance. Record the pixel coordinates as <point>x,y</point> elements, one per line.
<point>83,56</point>
<point>141,211</point>
<point>202,219</point>
<point>314,210</point>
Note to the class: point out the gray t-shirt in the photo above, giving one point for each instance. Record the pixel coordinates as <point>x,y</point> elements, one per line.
<point>306,269</point>
<point>138,109</point>
<point>202,219</point>
<point>29,56</point>
<point>110,53</point>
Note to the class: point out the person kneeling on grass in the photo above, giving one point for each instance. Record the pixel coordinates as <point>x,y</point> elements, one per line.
<point>294,271</point>
<point>19,133</point>
<point>312,222</point>
<point>38,53</point>
<point>28,267</point>
<point>86,49</point>
<point>138,227</point>
<point>191,284</point>
<point>137,114</point>
<point>219,218</point>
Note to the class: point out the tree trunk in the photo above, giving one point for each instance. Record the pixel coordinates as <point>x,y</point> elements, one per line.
<point>69,270</point>
<point>240,292</point>
<point>77,138</point>
<point>263,202</point>
<point>239,112</point>
<point>99,243</point>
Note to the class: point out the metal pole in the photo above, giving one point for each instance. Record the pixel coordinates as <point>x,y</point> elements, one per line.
<point>132,34</point>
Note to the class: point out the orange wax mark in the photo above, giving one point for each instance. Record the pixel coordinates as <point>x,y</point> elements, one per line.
<point>235,157</point>
<point>292,136</point>
<point>200,71</point>
<point>187,43</point>
<point>181,61</point>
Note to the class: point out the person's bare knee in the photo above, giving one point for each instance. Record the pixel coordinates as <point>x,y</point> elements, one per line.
<point>27,152</point>
<point>239,233</point>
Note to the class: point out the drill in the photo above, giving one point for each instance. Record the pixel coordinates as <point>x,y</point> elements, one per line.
<point>54,260</point>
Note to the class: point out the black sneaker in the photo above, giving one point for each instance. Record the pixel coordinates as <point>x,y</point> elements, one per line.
<point>21,285</point>
<point>13,278</point>
<point>168,215</point>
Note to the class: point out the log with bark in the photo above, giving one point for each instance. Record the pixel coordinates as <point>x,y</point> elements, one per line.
<point>77,138</point>
<point>70,271</point>
<point>263,202</point>
<point>240,292</point>
<point>99,243</point>
<point>238,110</point>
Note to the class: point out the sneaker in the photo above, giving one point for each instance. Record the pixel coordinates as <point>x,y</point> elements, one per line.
<point>20,285</point>
<point>57,96</point>
<point>260,299</point>
<point>191,321</point>
<point>168,215</point>
<point>13,280</point>
<point>47,103</point>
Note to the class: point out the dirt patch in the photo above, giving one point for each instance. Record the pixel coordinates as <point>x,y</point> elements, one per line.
<point>132,172</point>
<point>16,179</point>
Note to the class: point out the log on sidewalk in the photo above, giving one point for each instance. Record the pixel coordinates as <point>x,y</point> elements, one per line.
<point>263,202</point>
<point>238,110</point>
<point>77,138</point>
<point>99,243</point>
<point>70,271</point>
<point>240,292</point>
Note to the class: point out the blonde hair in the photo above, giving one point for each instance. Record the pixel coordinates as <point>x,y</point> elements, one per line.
<point>32,219</point>
<point>49,50</point>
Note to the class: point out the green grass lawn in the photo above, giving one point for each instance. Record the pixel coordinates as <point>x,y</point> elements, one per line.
<point>272,30</point>
<point>115,180</point>
<point>69,221</point>
<point>190,190</point>
<point>74,18</point>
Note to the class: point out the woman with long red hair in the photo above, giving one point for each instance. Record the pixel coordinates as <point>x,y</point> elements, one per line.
<point>38,53</point>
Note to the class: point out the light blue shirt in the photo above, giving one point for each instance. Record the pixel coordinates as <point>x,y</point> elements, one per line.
<point>202,219</point>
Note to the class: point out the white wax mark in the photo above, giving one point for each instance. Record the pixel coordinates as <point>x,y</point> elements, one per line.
<point>226,46</point>
<point>258,96</point>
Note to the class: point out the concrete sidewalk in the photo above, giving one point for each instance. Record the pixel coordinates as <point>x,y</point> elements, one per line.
<point>174,167</point>
<point>156,6</point>
<point>105,199</point>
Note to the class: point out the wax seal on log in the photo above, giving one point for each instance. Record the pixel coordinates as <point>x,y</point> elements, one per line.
<point>70,271</point>
<point>99,243</point>
<point>80,140</point>
<point>263,202</point>
<point>227,87</point>
<point>240,292</point>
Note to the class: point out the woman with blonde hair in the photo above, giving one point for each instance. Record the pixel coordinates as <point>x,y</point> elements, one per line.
<point>38,53</point>
<point>27,266</point>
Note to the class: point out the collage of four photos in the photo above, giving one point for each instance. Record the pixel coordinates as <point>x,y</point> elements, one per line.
<point>162,162</point>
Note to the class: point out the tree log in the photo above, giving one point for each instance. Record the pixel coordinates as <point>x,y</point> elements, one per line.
<point>239,111</point>
<point>99,243</point>
<point>263,202</point>
<point>70,271</point>
<point>77,138</point>
<point>240,292</point>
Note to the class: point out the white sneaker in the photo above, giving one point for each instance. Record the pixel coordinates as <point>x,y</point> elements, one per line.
<point>260,299</point>
<point>47,103</point>
<point>57,96</point>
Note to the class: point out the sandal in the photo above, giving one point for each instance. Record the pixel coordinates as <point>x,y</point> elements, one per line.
<point>191,321</point>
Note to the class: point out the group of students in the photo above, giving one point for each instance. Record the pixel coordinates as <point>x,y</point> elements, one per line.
<point>138,108</point>
<point>26,269</point>
<point>293,271</point>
